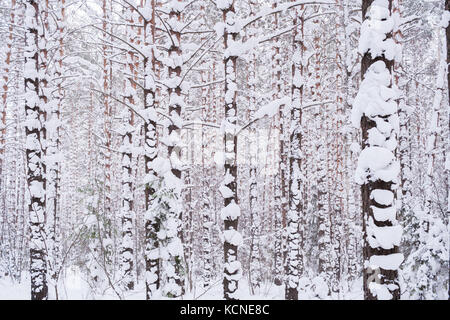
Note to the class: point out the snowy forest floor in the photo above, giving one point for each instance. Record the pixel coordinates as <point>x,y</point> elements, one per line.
<point>74,287</point>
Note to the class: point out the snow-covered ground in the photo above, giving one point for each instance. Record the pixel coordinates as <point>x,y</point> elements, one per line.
<point>74,287</point>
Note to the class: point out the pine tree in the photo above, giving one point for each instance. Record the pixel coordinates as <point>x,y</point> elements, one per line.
<point>375,112</point>
<point>152,221</point>
<point>127,208</point>
<point>175,272</point>
<point>36,168</point>
<point>231,211</point>
<point>53,123</point>
<point>294,237</point>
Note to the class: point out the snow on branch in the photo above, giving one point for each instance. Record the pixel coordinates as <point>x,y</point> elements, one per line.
<point>268,10</point>
<point>272,108</point>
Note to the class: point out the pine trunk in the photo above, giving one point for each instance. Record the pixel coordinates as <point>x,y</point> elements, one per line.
<point>36,168</point>
<point>231,211</point>
<point>380,276</point>
<point>152,223</point>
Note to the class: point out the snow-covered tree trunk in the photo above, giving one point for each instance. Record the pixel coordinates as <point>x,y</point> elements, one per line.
<point>280,179</point>
<point>322,124</point>
<point>375,112</point>
<point>447,151</point>
<point>127,205</point>
<point>403,150</point>
<point>294,261</point>
<point>6,89</point>
<point>323,208</point>
<point>6,167</point>
<point>206,201</point>
<point>175,273</point>
<point>447,32</point>
<point>339,204</point>
<point>254,206</point>
<point>36,169</point>
<point>53,124</point>
<point>4,84</point>
<point>106,233</point>
<point>278,245</point>
<point>231,211</point>
<point>152,222</point>
<point>187,234</point>
<point>351,218</point>
<point>92,202</point>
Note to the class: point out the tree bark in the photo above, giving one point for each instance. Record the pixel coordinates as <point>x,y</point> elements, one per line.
<point>388,277</point>
<point>36,168</point>
<point>294,265</point>
<point>231,273</point>
<point>152,224</point>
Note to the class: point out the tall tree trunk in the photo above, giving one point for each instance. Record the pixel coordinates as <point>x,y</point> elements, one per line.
<point>188,227</point>
<point>294,237</point>
<point>231,211</point>
<point>176,105</point>
<point>280,179</point>
<point>255,203</point>
<point>447,8</point>
<point>5,208</point>
<point>152,223</point>
<point>378,167</point>
<point>53,147</point>
<point>4,86</point>
<point>107,245</point>
<point>36,169</point>
<point>338,214</point>
<point>127,209</point>
<point>206,201</point>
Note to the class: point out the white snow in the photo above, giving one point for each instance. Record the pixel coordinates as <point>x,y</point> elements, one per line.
<point>376,163</point>
<point>233,237</point>
<point>387,262</point>
<point>230,212</point>
<point>272,108</point>
<point>226,192</point>
<point>385,237</point>
<point>374,29</point>
<point>380,291</point>
<point>383,197</point>
<point>374,97</point>
<point>384,214</point>
<point>233,267</point>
